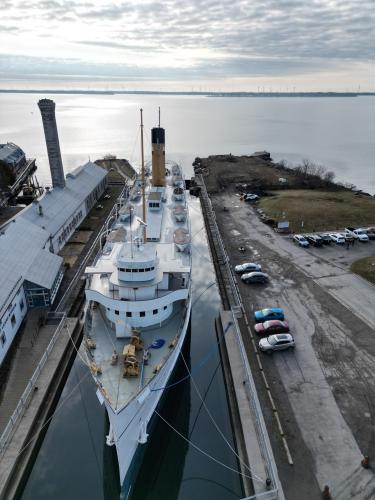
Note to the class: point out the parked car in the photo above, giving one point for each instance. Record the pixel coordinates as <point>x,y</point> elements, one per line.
<point>277,342</point>
<point>99,207</point>
<point>107,197</point>
<point>314,240</point>
<point>247,267</point>
<point>361,234</point>
<point>255,277</point>
<point>271,327</point>
<point>300,240</point>
<point>338,238</point>
<point>351,231</point>
<point>251,197</point>
<point>371,233</point>
<point>268,314</point>
<point>327,240</point>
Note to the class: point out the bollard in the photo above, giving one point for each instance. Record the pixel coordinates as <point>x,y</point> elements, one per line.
<point>326,495</point>
<point>366,462</point>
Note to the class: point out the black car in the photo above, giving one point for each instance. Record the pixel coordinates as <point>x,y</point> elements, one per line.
<point>327,240</point>
<point>255,277</point>
<point>314,240</point>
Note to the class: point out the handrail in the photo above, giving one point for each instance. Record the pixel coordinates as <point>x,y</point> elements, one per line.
<point>235,304</point>
<point>29,390</point>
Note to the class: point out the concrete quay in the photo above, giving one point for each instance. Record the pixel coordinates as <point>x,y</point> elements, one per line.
<point>319,398</point>
<point>36,386</point>
<point>256,460</point>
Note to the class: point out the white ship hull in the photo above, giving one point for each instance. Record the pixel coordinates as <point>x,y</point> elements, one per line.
<point>129,425</point>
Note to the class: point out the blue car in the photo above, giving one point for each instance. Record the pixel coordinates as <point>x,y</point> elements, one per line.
<point>268,314</point>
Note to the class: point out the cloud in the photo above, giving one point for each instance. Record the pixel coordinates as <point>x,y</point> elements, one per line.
<point>262,37</point>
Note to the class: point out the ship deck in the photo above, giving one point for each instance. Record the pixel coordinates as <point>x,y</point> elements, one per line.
<point>120,390</point>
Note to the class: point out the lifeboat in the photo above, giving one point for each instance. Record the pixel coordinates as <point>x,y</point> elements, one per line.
<point>181,238</point>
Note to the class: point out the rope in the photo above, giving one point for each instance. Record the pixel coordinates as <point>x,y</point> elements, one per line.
<point>255,476</point>
<point>200,449</point>
<point>204,359</point>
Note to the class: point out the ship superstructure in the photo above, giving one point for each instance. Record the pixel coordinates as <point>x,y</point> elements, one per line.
<point>139,300</point>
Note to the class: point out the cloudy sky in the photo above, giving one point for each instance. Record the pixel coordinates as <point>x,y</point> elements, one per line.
<point>189,45</point>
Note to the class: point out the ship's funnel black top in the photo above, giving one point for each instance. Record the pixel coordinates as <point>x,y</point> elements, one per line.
<point>158,135</point>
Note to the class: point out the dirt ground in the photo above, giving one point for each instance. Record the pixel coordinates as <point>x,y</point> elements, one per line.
<point>325,389</point>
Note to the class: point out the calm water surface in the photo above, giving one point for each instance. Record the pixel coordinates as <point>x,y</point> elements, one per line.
<point>338,133</point>
<point>335,132</point>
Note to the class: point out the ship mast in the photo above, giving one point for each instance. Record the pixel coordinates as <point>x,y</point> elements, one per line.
<point>143,183</point>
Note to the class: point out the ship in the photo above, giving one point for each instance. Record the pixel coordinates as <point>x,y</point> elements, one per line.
<point>138,304</point>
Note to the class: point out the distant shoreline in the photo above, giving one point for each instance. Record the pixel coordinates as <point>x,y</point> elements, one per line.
<point>206,94</point>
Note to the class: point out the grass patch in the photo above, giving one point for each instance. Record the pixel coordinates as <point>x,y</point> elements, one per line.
<point>320,210</point>
<point>365,268</point>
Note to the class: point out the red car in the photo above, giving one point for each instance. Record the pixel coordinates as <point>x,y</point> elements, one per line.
<point>271,327</point>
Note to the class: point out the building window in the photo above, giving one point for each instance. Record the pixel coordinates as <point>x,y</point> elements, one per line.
<point>142,314</point>
<point>22,305</point>
<point>117,312</point>
<point>3,339</point>
<point>13,320</point>
<point>155,311</point>
<point>128,314</point>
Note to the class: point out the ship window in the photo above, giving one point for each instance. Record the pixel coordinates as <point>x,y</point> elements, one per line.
<point>142,314</point>
<point>3,339</point>
<point>165,307</point>
<point>121,269</point>
<point>152,268</point>
<point>128,270</point>
<point>117,312</point>
<point>128,314</point>
<point>147,269</point>
<point>22,305</point>
<point>13,320</point>
<point>155,311</point>
<point>135,270</point>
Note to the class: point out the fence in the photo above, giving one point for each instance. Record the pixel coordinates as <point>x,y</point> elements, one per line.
<point>29,390</point>
<point>236,306</point>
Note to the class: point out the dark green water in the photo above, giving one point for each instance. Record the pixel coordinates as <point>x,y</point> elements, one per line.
<point>74,463</point>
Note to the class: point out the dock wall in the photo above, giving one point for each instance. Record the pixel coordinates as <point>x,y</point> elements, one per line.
<point>252,438</point>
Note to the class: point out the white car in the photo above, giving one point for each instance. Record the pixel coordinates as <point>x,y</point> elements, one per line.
<point>251,197</point>
<point>300,240</point>
<point>247,267</point>
<point>361,234</point>
<point>276,342</point>
<point>338,238</point>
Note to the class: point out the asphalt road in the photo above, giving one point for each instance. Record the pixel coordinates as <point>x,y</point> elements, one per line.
<point>325,388</point>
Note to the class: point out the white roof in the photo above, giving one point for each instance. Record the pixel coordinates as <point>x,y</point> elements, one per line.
<point>59,204</point>
<point>23,256</point>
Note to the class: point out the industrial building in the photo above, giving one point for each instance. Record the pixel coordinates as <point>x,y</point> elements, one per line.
<point>12,157</point>
<point>30,269</point>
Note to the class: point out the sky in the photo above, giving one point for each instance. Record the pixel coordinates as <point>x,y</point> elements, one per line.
<point>195,45</point>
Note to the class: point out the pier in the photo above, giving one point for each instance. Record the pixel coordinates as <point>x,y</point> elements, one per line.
<point>298,420</point>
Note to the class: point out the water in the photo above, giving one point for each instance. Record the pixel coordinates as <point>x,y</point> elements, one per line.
<point>73,461</point>
<point>335,132</point>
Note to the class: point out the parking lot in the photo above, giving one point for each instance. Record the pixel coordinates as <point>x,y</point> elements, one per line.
<point>324,389</point>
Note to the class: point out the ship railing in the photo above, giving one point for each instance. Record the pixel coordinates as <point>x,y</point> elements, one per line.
<point>25,399</point>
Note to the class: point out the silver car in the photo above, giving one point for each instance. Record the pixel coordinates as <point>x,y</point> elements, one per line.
<point>276,342</point>
<point>247,267</point>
